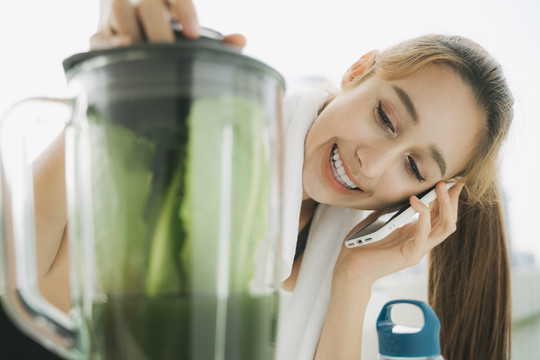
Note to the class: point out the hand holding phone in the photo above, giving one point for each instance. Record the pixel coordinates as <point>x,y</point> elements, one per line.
<point>383,225</point>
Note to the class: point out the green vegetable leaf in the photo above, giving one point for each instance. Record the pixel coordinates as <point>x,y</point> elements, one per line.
<point>120,163</point>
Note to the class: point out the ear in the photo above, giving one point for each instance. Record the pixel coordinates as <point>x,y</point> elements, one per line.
<point>358,68</point>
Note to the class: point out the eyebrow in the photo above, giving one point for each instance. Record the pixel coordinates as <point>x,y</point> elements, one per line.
<point>439,158</point>
<point>436,153</point>
<point>406,100</point>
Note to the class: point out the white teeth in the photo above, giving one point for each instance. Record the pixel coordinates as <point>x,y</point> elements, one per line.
<point>339,170</point>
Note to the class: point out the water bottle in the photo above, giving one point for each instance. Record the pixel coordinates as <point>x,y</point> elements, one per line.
<point>399,342</point>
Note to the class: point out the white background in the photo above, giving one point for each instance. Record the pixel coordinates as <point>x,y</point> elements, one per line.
<point>305,38</point>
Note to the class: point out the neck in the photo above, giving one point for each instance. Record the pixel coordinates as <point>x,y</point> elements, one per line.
<point>305,196</point>
<point>306,212</point>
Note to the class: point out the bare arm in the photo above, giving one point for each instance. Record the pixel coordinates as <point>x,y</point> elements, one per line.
<point>341,337</point>
<point>358,268</point>
<point>51,222</point>
<point>50,203</point>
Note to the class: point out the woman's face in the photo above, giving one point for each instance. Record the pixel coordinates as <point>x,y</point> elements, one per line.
<point>382,141</point>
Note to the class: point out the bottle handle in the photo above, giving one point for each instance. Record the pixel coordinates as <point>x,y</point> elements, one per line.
<point>22,299</point>
<point>403,341</point>
<point>431,321</point>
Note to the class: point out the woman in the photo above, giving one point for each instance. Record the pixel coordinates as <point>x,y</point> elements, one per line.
<point>407,119</point>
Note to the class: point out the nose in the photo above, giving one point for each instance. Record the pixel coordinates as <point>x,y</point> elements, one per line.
<point>376,160</point>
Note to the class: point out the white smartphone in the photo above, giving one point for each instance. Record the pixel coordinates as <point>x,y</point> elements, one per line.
<point>391,220</point>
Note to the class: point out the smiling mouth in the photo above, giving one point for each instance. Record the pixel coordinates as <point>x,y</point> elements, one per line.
<point>339,170</point>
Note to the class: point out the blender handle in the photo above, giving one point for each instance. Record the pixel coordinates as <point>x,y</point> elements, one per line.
<point>22,299</point>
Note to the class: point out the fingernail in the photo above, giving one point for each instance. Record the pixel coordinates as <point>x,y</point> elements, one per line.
<point>116,41</point>
<point>121,40</point>
<point>192,29</point>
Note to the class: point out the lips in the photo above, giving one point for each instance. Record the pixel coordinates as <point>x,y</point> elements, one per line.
<point>336,164</point>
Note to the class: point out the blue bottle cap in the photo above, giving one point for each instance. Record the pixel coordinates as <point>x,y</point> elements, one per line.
<point>421,343</point>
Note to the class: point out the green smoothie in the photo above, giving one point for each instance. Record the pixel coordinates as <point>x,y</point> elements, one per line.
<point>180,208</point>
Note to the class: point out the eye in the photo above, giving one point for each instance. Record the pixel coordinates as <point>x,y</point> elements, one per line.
<point>384,119</point>
<point>413,169</point>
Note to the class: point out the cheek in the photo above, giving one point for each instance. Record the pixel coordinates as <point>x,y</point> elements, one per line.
<point>394,188</point>
<point>346,115</point>
<point>311,169</point>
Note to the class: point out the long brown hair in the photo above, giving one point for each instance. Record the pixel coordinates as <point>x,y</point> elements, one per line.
<point>469,282</point>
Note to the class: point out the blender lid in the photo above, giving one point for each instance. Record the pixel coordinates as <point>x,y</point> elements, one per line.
<point>206,33</point>
<point>210,40</point>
